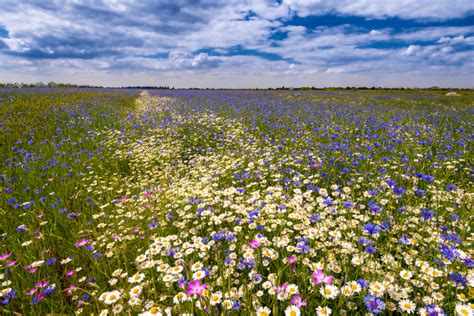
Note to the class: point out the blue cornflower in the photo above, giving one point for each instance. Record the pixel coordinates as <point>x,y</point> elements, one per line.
<point>374,304</point>
<point>49,289</point>
<point>374,207</point>
<point>315,217</point>
<point>11,295</point>
<point>21,228</point>
<point>363,283</point>
<point>433,310</point>
<point>370,249</point>
<point>328,202</point>
<point>449,252</point>
<point>451,237</point>
<point>468,262</point>
<point>458,278</point>
<point>427,178</point>
<point>398,190</point>
<point>236,305</point>
<point>253,215</point>
<point>372,229</point>
<point>451,187</point>
<point>427,214</point>
<point>454,217</point>
<point>420,192</point>
<point>240,190</point>
<point>257,277</point>
<point>303,248</point>
<point>51,261</point>
<point>28,205</point>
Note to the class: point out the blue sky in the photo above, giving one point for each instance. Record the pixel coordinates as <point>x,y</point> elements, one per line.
<point>238,44</point>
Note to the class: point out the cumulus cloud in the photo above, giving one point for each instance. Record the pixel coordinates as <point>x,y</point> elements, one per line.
<point>136,42</point>
<point>408,9</point>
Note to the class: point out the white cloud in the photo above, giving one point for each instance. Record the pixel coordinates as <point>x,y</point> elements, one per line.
<point>407,9</point>
<point>411,50</point>
<point>433,33</point>
<point>117,42</point>
<point>457,40</point>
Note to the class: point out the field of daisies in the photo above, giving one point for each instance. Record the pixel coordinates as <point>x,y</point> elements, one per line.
<point>261,203</point>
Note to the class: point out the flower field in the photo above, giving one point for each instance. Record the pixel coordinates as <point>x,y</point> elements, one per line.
<point>236,202</point>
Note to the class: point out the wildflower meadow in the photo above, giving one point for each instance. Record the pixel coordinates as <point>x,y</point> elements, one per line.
<point>237,202</point>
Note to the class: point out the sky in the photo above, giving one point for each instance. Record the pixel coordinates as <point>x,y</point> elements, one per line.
<point>239,44</point>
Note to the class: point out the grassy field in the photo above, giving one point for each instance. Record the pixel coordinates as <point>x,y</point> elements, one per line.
<point>235,202</point>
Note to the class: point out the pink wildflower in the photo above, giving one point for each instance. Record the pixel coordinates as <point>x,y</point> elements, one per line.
<point>5,256</point>
<point>196,287</point>
<point>297,300</point>
<point>81,243</point>
<point>292,259</point>
<point>319,277</point>
<point>254,244</point>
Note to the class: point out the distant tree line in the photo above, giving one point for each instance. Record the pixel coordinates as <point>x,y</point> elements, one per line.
<point>53,84</point>
<point>362,88</point>
<point>40,84</point>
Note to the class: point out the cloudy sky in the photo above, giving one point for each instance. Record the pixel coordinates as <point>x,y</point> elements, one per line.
<point>255,43</point>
